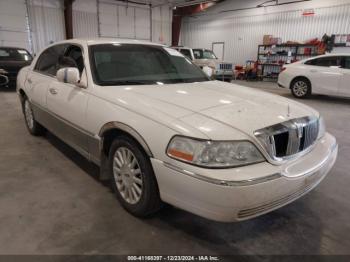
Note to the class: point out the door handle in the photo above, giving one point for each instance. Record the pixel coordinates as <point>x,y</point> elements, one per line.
<point>313,71</point>
<point>53,91</point>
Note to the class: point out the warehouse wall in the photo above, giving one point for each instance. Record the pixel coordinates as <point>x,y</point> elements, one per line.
<point>162,17</point>
<point>46,21</point>
<point>13,24</point>
<point>243,30</point>
<point>85,18</point>
<point>111,19</point>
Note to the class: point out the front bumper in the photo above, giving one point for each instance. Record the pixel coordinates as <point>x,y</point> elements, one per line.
<point>237,194</point>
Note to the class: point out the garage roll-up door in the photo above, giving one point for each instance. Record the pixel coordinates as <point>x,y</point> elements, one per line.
<point>13,24</point>
<point>46,20</point>
<point>124,21</point>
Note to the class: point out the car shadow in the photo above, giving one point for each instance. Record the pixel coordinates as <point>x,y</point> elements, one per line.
<point>321,98</point>
<point>283,231</point>
<point>84,164</point>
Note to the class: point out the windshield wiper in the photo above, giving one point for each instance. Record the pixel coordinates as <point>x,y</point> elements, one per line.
<point>130,82</point>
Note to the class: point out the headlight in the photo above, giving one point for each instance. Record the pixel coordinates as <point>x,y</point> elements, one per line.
<point>213,154</point>
<point>321,128</point>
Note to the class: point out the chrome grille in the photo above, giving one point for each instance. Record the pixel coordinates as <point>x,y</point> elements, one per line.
<point>225,66</point>
<point>289,138</point>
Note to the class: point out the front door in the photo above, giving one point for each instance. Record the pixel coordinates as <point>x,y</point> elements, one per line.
<point>344,86</point>
<point>218,48</point>
<point>325,75</point>
<point>68,103</point>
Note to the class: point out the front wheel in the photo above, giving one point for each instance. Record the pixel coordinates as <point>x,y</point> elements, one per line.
<point>133,180</point>
<point>33,126</point>
<point>301,88</point>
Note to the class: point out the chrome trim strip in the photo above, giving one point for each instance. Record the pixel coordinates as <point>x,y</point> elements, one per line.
<point>265,138</point>
<point>62,119</point>
<point>66,133</point>
<point>248,182</point>
<point>127,129</point>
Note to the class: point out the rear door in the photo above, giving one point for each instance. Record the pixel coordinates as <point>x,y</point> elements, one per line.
<point>344,86</point>
<point>44,73</point>
<point>325,74</point>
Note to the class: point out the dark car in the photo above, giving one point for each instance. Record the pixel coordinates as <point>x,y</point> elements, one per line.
<point>12,59</point>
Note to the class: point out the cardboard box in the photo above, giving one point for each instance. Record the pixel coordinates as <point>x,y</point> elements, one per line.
<point>267,39</point>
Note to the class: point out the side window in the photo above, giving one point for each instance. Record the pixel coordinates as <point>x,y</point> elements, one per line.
<point>325,61</point>
<point>186,53</point>
<point>197,54</point>
<point>48,61</point>
<point>75,54</point>
<point>347,62</point>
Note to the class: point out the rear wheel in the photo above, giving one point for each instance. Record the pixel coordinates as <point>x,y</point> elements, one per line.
<point>133,180</point>
<point>33,126</point>
<point>301,88</point>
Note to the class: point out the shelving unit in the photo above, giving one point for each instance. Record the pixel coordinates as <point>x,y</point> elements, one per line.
<point>272,57</point>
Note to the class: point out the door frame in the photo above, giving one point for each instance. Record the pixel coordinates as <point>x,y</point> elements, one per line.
<point>223,48</point>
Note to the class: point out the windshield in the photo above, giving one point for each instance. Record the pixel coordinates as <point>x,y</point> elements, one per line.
<point>14,54</point>
<point>203,54</point>
<point>122,64</point>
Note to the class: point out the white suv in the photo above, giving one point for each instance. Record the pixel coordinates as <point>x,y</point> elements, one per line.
<point>203,57</point>
<point>326,74</point>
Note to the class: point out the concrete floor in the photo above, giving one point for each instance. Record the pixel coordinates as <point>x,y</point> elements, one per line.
<point>52,203</point>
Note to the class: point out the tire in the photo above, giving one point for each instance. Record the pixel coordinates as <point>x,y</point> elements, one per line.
<point>136,191</point>
<point>32,125</point>
<point>301,88</point>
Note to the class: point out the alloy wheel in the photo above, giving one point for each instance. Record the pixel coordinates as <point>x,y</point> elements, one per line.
<point>28,113</point>
<point>300,88</point>
<point>127,174</point>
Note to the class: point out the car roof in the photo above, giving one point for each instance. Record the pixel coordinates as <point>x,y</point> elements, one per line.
<point>333,54</point>
<point>14,47</point>
<point>97,41</point>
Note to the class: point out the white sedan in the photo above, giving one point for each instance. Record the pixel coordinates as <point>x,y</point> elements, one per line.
<point>326,74</point>
<point>162,132</point>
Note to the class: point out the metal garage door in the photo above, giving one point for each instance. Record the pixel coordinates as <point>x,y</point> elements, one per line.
<point>46,20</point>
<point>13,24</point>
<point>124,21</point>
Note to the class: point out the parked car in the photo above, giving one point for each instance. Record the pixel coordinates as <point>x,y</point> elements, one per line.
<point>203,57</point>
<point>162,132</point>
<point>12,59</point>
<point>325,74</point>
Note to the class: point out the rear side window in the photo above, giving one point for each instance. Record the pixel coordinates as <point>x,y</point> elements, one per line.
<point>325,61</point>
<point>347,62</point>
<point>186,53</point>
<point>48,60</point>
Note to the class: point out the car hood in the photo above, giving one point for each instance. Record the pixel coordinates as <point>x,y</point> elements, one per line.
<point>207,105</point>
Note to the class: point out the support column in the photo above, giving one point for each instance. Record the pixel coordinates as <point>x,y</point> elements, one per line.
<point>68,18</point>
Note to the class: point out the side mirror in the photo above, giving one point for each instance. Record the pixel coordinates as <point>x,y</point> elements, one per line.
<point>68,75</point>
<point>208,71</point>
